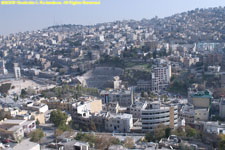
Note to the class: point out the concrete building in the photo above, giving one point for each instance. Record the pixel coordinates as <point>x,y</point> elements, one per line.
<point>222,108</point>
<point>135,109</point>
<point>117,83</point>
<point>213,59</point>
<point>187,112</point>
<point>214,127</point>
<point>201,114</point>
<point>112,107</point>
<point>143,85</point>
<point>74,145</point>
<point>155,84</point>
<point>118,122</point>
<point>3,70</point>
<point>222,80</point>
<point>214,69</point>
<point>161,75</point>
<point>39,107</point>
<point>201,99</point>
<point>15,129</point>
<point>17,72</point>
<point>59,104</point>
<point>88,106</point>
<point>189,61</point>
<point>155,114</point>
<point>123,97</point>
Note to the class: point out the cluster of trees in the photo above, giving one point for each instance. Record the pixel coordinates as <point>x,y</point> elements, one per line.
<point>181,83</point>
<point>37,135</point>
<point>27,92</point>
<point>132,53</point>
<point>188,132</point>
<point>219,93</point>
<point>87,128</point>
<point>163,131</point>
<point>4,115</point>
<point>59,119</point>
<point>103,141</point>
<point>151,95</point>
<point>66,91</point>
<point>160,53</point>
<point>111,61</point>
<point>160,132</point>
<point>132,76</point>
<point>221,144</point>
<point>4,88</point>
<point>178,86</point>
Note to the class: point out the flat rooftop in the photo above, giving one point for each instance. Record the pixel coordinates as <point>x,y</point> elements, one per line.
<point>26,144</point>
<point>13,122</point>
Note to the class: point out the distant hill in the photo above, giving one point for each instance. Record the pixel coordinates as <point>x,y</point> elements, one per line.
<point>192,26</point>
<point>197,25</point>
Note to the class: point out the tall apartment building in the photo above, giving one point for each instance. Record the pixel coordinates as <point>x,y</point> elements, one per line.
<point>155,84</point>
<point>161,75</point>
<point>155,114</point>
<point>17,72</point>
<point>3,70</point>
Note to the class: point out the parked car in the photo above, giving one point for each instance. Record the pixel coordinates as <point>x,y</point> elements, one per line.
<point>5,141</point>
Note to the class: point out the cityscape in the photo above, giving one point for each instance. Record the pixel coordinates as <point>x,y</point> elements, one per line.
<point>151,84</point>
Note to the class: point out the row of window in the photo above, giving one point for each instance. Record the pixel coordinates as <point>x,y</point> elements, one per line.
<point>155,113</point>
<point>155,118</point>
<point>152,123</point>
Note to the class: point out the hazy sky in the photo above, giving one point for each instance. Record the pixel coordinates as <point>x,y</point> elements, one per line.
<point>23,18</point>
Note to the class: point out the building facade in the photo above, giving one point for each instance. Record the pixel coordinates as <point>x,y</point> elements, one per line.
<point>161,75</point>
<point>155,114</point>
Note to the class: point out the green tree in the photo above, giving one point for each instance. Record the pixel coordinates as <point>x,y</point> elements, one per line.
<point>90,138</point>
<point>57,133</point>
<point>159,132</point>
<point>4,115</point>
<point>37,122</point>
<point>4,88</point>
<point>57,117</point>
<point>92,126</point>
<point>191,132</point>
<point>154,54</point>
<point>64,127</point>
<point>179,132</point>
<point>37,135</point>
<point>149,136</point>
<point>115,141</point>
<point>129,142</point>
<point>23,93</point>
<point>142,94</point>
<point>167,132</point>
<point>221,144</point>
